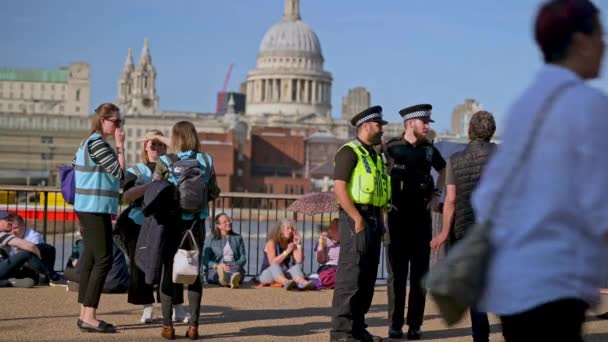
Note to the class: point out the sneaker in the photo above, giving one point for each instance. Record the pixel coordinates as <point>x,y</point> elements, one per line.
<point>180,314</point>
<point>146,316</point>
<point>289,285</point>
<point>23,283</point>
<point>221,277</point>
<point>235,280</point>
<point>306,285</point>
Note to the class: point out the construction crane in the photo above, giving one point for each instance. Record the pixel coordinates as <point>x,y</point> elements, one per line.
<point>220,100</point>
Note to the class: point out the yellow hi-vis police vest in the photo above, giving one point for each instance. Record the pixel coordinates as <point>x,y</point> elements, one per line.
<point>368,183</point>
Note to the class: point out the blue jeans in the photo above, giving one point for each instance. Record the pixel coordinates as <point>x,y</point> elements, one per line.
<point>10,266</point>
<point>270,274</point>
<point>213,277</point>
<point>480,326</point>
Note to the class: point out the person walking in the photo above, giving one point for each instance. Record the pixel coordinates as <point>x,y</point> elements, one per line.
<point>98,172</point>
<point>363,191</point>
<point>544,188</point>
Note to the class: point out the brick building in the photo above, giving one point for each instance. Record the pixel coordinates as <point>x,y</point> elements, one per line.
<point>269,160</point>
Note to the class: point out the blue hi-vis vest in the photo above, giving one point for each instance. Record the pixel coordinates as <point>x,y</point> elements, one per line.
<point>97,191</point>
<point>144,176</point>
<point>203,161</point>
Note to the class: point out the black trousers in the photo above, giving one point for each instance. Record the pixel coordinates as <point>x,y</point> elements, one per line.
<point>560,320</point>
<point>139,292</point>
<point>407,247</point>
<point>167,288</point>
<point>97,256</point>
<point>356,275</point>
<point>47,254</point>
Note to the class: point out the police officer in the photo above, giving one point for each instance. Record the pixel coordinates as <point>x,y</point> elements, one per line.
<point>409,221</point>
<point>362,188</point>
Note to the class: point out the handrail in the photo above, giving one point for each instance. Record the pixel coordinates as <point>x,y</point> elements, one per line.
<point>32,188</point>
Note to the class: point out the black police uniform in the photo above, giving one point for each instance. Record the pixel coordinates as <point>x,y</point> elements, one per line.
<point>409,222</point>
<point>359,252</point>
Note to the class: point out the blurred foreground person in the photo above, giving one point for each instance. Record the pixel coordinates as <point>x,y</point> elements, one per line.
<point>550,227</point>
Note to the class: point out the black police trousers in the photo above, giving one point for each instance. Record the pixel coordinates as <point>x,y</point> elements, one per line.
<point>356,275</point>
<point>407,246</point>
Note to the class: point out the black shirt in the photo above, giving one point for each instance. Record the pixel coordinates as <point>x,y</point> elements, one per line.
<point>410,168</point>
<point>346,160</point>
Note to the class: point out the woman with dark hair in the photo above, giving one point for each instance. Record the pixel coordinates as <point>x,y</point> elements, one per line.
<point>184,146</point>
<point>224,254</point>
<point>544,189</point>
<point>283,258</point>
<point>99,170</point>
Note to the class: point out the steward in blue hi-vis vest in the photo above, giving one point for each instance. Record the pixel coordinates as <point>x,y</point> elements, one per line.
<point>205,163</point>
<point>97,191</point>
<point>144,176</point>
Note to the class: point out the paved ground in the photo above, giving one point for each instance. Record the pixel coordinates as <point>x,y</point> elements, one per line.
<point>247,314</point>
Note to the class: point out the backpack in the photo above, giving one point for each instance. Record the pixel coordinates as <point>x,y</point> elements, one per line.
<point>191,182</point>
<point>68,183</point>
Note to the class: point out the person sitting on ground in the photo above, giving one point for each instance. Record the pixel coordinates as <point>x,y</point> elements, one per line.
<point>47,252</point>
<point>224,254</point>
<point>283,258</point>
<point>328,251</point>
<point>117,280</point>
<point>10,265</point>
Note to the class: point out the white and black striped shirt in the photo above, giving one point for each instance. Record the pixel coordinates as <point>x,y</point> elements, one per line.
<point>5,238</point>
<point>102,153</point>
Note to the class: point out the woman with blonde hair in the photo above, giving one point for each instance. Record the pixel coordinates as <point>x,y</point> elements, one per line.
<point>98,172</point>
<point>137,180</point>
<point>283,257</point>
<point>184,145</point>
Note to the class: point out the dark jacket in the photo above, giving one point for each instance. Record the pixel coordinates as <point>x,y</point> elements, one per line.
<point>118,277</point>
<point>467,166</point>
<point>213,251</point>
<point>161,212</point>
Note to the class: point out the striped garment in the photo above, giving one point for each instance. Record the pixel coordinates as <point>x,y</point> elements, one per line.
<point>5,238</point>
<point>103,154</point>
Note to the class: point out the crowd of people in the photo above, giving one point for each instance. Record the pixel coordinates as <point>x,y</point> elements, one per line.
<point>542,191</point>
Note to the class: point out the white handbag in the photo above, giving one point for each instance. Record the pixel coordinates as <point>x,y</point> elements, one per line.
<point>186,262</point>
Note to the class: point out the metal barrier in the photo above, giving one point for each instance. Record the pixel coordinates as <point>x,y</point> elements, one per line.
<point>253,216</point>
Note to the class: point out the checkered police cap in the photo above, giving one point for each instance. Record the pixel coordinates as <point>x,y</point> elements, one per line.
<point>370,114</point>
<point>422,111</point>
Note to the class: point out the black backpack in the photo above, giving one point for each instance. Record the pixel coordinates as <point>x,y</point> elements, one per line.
<point>191,182</point>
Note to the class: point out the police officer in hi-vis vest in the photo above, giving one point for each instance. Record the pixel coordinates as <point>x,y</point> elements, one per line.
<point>411,157</point>
<point>362,188</point>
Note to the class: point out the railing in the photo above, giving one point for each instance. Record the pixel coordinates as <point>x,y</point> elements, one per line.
<point>253,216</point>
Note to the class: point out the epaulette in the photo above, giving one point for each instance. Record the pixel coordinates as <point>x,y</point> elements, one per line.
<point>393,140</point>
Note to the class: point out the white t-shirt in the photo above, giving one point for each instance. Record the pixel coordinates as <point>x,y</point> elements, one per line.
<point>31,236</point>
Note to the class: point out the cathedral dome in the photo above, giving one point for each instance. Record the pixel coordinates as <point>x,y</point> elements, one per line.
<point>289,80</point>
<point>291,38</point>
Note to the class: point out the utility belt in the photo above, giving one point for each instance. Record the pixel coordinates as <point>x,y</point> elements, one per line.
<point>369,210</point>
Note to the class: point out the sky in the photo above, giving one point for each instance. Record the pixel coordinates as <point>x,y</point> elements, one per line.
<point>404,52</point>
